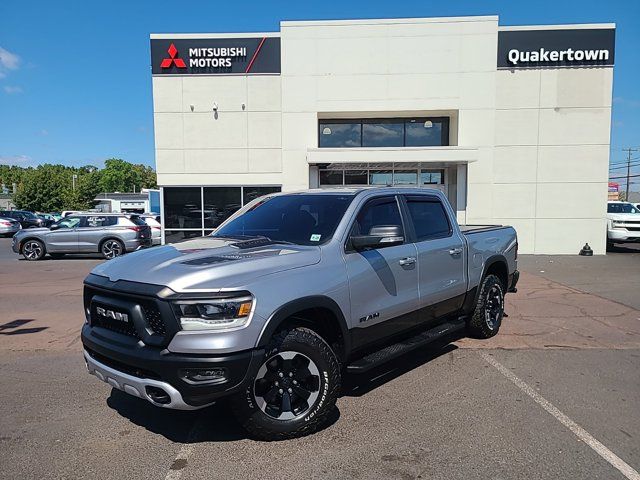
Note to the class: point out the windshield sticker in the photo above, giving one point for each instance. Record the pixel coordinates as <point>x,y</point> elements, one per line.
<point>315,237</point>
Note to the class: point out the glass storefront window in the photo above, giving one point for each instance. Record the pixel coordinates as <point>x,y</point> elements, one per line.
<point>406,177</point>
<point>380,177</point>
<point>432,177</point>
<point>220,203</point>
<point>177,236</point>
<point>331,177</point>
<point>251,193</point>
<point>355,177</point>
<point>382,134</point>
<point>182,207</point>
<point>340,134</point>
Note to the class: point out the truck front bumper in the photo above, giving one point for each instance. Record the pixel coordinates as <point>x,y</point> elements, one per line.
<point>163,378</point>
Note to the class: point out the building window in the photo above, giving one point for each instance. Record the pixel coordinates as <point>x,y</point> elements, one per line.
<point>384,132</point>
<point>191,212</point>
<point>337,176</point>
<point>387,133</point>
<point>432,177</point>
<point>220,203</point>
<point>182,207</point>
<point>337,133</point>
<point>420,132</point>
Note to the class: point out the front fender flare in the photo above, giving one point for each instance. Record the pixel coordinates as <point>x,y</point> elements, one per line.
<point>278,317</point>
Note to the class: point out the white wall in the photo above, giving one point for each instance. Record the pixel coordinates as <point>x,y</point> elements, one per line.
<point>398,67</point>
<point>551,158</point>
<point>238,146</point>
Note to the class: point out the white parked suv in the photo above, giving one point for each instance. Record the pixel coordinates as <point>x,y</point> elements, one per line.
<point>623,224</point>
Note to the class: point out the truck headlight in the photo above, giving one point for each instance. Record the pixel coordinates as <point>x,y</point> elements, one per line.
<point>617,224</point>
<point>214,314</point>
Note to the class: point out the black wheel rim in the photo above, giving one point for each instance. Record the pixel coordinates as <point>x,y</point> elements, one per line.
<point>287,385</point>
<point>493,307</point>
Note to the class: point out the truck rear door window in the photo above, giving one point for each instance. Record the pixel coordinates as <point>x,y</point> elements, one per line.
<point>429,218</point>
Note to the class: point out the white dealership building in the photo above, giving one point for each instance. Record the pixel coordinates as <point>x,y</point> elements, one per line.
<point>512,123</point>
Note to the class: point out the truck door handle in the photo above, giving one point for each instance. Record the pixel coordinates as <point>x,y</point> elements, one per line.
<point>455,251</point>
<point>407,261</point>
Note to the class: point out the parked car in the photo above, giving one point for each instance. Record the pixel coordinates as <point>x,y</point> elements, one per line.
<point>287,294</point>
<point>623,223</point>
<point>109,234</point>
<point>9,226</point>
<point>48,219</point>
<point>156,228</point>
<point>26,219</point>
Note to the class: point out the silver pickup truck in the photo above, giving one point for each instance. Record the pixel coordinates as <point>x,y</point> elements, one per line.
<point>287,295</point>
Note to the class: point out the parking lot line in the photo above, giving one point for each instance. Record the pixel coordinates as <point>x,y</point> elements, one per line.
<point>623,467</point>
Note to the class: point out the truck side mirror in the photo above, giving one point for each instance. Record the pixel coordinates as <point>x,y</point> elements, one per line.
<point>54,227</point>
<point>380,236</point>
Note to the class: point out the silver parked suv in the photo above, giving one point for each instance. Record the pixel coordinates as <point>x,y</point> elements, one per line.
<point>108,234</point>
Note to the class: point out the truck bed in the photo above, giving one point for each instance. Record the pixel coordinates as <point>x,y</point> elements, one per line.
<point>468,229</point>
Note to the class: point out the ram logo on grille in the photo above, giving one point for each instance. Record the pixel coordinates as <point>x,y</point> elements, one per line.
<point>103,312</point>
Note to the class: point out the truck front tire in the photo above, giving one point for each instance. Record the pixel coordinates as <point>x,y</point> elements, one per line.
<point>293,391</point>
<point>487,316</point>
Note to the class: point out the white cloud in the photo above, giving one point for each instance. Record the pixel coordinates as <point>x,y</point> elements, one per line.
<point>8,61</point>
<point>12,89</point>
<point>19,160</point>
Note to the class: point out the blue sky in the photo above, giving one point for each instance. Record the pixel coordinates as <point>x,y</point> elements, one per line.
<point>75,83</point>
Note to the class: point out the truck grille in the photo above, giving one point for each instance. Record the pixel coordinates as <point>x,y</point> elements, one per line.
<point>154,319</point>
<point>125,328</point>
<point>156,325</point>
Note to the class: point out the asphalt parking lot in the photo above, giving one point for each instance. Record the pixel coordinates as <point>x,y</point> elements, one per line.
<point>555,395</point>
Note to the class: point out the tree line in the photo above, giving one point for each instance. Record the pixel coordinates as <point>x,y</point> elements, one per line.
<point>53,188</point>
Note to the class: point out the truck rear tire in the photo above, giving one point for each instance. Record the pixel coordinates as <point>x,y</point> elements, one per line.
<point>293,391</point>
<point>487,316</point>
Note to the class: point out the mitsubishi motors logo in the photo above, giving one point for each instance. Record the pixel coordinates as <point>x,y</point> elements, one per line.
<point>167,62</point>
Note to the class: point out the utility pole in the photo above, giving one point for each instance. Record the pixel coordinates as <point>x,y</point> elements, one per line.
<point>629,151</point>
<point>74,177</point>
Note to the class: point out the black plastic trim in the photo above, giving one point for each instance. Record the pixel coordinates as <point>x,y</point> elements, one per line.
<point>305,303</point>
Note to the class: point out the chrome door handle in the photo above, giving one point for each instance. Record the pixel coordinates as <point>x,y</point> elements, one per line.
<point>407,261</point>
<point>455,251</point>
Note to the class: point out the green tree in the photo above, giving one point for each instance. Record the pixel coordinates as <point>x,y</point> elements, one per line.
<point>45,188</point>
<point>121,176</point>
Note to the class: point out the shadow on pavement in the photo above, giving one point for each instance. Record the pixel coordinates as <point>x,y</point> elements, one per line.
<point>18,323</point>
<point>623,248</point>
<point>357,385</point>
<point>212,424</point>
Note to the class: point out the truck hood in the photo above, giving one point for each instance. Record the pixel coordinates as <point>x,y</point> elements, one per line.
<point>206,263</point>
<point>624,217</point>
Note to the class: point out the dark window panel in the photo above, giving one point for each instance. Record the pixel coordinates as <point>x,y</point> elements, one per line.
<point>251,193</point>
<point>331,177</point>
<point>435,177</point>
<point>219,204</point>
<point>177,236</point>
<point>356,177</point>
<point>182,207</point>
<point>429,219</point>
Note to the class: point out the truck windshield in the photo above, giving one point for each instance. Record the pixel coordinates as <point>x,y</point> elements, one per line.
<point>622,208</point>
<point>303,219</point>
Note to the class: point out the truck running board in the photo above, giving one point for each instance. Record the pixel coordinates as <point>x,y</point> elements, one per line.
<point>397,349</point>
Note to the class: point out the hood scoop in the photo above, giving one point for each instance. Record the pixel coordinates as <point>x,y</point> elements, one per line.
<point>231,257</point>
